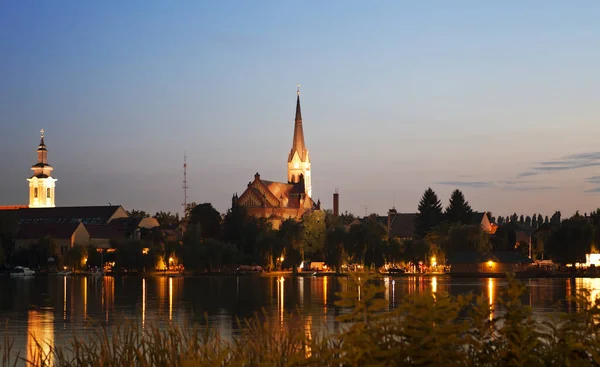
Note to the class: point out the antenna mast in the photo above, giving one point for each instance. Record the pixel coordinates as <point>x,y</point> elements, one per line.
<point>185,186</point>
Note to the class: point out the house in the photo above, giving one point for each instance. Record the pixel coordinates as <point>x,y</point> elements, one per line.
<point>119,230</point>
<point>488,263</point>
<point>70,214</point>
<point>400,226</point>
<point>63,235</point>
<point>482,219</point>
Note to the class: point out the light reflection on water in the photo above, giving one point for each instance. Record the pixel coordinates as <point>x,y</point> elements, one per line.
<point>52,308</point>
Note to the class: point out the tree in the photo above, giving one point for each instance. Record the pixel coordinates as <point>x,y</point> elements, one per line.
<point>540,220</point>
<point>534,223</point>
<point>500,220</point>
<point>335,253</point>
<point>291,235</point>
<point>546,220</point>
<point>528,221</point>
<point>167,220</point>
<point>235,226</point>
<point>429,213</point>
<point>208,219</point>
<point>314,234</point>
<point>458,210</point>
<point>514,217</point>
<point>134,213</point>
<point>467,238</point>
<point>571,240</point>
<point>555,219</point>
<point>521,220</point>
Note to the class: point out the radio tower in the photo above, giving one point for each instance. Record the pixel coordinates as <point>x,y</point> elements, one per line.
<point>185,186</point>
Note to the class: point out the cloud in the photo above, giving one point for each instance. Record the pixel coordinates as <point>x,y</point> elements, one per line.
<point>472,184</point>
<point>531,188</point>
<point>569,162</point>
<point>527,174</point>
<point>595,190</point>
<point>593,179</point>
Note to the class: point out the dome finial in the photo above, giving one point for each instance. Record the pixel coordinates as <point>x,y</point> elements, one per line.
<point>298,91</point>
<point>42,132</point>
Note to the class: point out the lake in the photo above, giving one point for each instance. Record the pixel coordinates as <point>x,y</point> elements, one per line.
<point>54,307</point>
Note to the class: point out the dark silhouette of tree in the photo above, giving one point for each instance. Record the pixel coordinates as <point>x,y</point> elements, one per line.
<point>458,209</point>
<point>514,217</point>
<point>291,235</point>
<point>555,219</point>
<point>429,213</point>
<point>334,247</point>
<point>546,220</point>
<point>534,223</point>
<point>500,220</point>
<point>134,213</point>
<point>571,240</point>
<point>208,219</point>
<point>505,237</point>
<point>167,220</point>
<point>540,220</point>
<point>521,220</point>
<point>528,221</point>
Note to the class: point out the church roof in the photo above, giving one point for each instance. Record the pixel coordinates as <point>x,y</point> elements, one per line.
<point>55,230</point>
<point>273,194</point>
<point>68,214</point>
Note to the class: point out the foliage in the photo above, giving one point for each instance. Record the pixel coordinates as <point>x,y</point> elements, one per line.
<point>134,213</point>
<point>335,252</point>
<point>314,234</point>
<point>291,235</point>
<point>571,240</point>
<point>429,213</point>
<point>167,219</point>
<point>467,238</point>
<point>458,210</point>
<point>208,219</point>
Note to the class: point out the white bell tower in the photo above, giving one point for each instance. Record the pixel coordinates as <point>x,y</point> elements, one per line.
<point>41,184</point>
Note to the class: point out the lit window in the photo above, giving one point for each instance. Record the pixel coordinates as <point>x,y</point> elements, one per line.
<point>35,192</point>
<point>48,193</point>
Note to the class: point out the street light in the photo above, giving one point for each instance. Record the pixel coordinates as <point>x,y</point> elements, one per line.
<point>433,262</point>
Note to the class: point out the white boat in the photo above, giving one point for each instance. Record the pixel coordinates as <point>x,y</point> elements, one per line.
<point>64,273</point>
<point>19,272</point>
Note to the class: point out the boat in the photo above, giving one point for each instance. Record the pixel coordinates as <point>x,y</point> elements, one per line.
<point>64,273</point>
<point>20,272</point>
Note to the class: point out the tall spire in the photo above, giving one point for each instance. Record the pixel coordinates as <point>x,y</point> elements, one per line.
<point>298,142</point>
<point>298,112</point>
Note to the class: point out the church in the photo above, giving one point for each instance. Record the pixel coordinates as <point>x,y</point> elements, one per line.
<point>278,201</point>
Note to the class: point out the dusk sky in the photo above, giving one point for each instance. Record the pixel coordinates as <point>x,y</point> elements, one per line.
<point>499,100</point>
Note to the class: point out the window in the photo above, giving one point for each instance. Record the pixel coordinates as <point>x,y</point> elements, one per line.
<point>48,193</point>
<point>35,192</point>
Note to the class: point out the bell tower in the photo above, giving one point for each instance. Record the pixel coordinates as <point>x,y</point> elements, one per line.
<point>41,184</point>
<point>299,159</point>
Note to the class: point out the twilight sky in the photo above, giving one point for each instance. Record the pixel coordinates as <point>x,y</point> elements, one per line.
<point>500,100</point>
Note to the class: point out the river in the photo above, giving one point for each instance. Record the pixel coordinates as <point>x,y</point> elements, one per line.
<point>52,308</point>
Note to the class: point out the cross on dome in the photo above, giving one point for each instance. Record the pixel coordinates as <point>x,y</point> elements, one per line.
<point>42,132</point>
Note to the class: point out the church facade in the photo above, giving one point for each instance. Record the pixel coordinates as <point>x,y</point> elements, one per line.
<point>278,201</point>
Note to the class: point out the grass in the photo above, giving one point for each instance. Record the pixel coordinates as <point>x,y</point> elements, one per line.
<point>422,331</point>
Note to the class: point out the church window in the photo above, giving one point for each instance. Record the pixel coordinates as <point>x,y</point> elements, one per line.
<point>48,193</point>
<point>35,192</point>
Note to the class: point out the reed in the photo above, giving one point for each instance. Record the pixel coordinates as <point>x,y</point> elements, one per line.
<point>423,330</point>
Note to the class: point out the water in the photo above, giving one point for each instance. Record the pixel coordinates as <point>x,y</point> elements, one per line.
<point>53,308</point>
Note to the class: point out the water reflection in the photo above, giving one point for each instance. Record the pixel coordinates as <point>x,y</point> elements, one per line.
<point>40,332</point>
<point>491,298</point>
<point>70,304</point>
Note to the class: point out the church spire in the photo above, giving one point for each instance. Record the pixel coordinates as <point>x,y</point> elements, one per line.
<point>41,183</point>
<point>298,142</point>
<point>298,159</point>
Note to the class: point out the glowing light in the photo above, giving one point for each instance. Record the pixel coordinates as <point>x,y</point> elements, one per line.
<point>433,261</point>
<point>490,264</point>
<point>325,291</point>
<point>143,302</point>
<point>170,260</point>
<point>434,286</point>
<point>40,332</point>
<point>281,298</point>
<point>281,259</point>
<point>65,298</point>
<point>85,298</point>
<point>145,251</point>
<point>491,297</point>
<point>170,298</point>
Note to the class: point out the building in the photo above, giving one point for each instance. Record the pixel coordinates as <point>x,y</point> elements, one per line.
<point>41,185</point>
<point>489,263</point>
<point>277,201</point>
<point>64,235</point>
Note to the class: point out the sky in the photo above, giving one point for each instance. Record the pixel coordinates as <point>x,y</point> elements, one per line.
<point>497,99</point>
